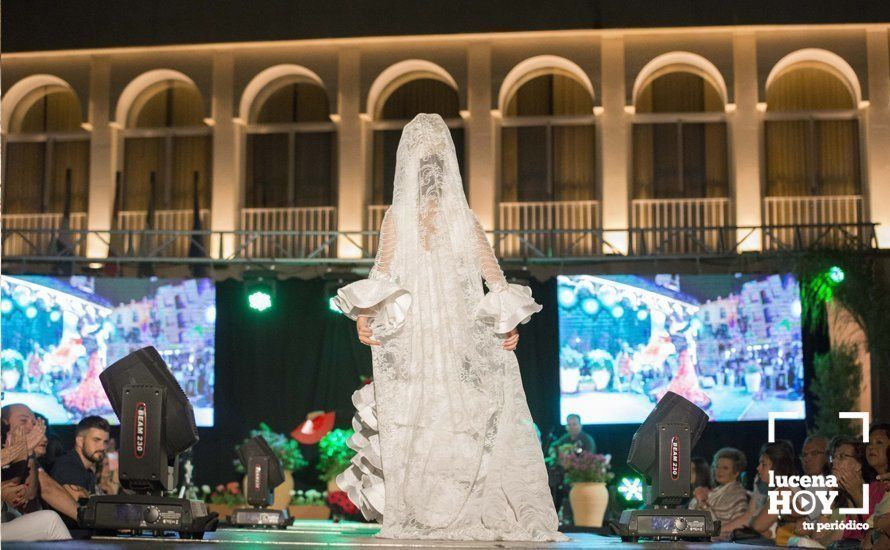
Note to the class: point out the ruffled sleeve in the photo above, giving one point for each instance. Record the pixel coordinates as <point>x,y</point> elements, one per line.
<point>378,296</point>
<point>507,304</point>
<point>507,308</point>
<point>385,301</point>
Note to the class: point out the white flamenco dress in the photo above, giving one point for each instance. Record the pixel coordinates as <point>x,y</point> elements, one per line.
<point>445,445</point>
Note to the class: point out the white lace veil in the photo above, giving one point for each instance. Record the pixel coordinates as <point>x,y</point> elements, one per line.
<point>432,224</point>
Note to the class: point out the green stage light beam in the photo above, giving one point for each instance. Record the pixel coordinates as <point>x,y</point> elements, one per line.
<point>259,300</point>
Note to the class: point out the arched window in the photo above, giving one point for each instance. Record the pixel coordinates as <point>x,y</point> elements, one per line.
<point>291,148</point>
<point>47,156</point>
<point>409,98</point>
<point>166,144</point>
<point>548,150</point>
<point>679,138</point>
<point>811,133</point>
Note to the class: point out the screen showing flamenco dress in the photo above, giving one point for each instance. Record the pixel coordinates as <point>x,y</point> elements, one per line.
<point>59,333</point>
<point>731,344</point>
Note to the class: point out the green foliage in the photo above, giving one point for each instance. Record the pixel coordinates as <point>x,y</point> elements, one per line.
<point>333,454</point>
<point>835,387</point>
<point>286,449</point>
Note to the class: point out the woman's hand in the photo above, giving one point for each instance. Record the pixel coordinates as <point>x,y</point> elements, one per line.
<point>35,436</point>
<point>512,339</point>
<point>364,331</point>
<point>13,493</point>
<point>701,495</point>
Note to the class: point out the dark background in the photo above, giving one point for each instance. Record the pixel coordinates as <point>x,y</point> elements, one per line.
<point>41,25</point>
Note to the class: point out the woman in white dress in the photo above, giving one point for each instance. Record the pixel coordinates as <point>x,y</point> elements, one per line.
<point>445,445</point>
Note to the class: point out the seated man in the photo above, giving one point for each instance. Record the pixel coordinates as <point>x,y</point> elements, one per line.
<point>76,469</point>
<point>574,435</point>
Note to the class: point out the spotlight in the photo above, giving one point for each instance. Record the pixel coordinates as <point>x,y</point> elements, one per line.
<point>661,452</point>
<point>31,312</point>
<point>260,287</point>
<point>631,488</point>
<point>264,473</point>
<point>5,306</point>
<point>836,274</point>
<point>157,425</point>
<point>617,312</point>
<point>642,314</point>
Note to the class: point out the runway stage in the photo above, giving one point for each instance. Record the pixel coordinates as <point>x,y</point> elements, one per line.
<point>326,534</point>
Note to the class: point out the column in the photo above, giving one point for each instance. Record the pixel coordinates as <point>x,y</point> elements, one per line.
<point>352,194</point>
<point>612,135</point>
<point>100,208</point>
<point>746,135</point>
<point>479,130</point>
<point>227,151</point>
<point>877,131</point>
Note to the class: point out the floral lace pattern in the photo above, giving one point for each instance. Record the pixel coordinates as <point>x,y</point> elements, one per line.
<point>459,454</point>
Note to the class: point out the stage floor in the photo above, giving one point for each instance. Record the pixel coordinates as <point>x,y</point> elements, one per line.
<point>326,534</point>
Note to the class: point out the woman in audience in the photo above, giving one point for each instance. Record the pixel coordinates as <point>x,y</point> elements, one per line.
<point>729,500</point>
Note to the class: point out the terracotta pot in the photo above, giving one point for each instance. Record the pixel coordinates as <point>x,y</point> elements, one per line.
<point>309,512</point>
<point>589,501</point>
<point>282,492</point>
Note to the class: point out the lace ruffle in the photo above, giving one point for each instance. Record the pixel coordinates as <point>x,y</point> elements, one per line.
<point>363,479</point>
<point>385,301</point>
<point>507,308</point>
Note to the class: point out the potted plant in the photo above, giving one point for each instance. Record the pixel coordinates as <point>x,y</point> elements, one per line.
<point>288,452</point>
<point>334,456</point>
<point>310,504</point>
<point>753,378</point>
<point>224,499</point>
<point>570,363</point>
<point>588,474</point>
<point>601,366</point>
<point>343,508</point>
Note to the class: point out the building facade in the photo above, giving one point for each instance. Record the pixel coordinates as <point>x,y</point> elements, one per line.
<point>573,143</point>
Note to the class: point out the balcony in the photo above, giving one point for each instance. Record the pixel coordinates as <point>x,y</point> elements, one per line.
<point>681,226</point>
<point>831,221</point>
<point>42,235</point>
<point>166,242</point>
<point>548,229</point>
<point>294,232</point>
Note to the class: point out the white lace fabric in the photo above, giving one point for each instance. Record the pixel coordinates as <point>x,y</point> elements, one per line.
<point>445,444</point>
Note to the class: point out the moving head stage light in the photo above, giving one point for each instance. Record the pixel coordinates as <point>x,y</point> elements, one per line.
<point>264,473</point>
<point>661,451</point>
<point>157,424</point>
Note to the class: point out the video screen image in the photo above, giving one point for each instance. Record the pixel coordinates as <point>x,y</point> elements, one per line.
<point>730,343</point>
<point>60,333</point>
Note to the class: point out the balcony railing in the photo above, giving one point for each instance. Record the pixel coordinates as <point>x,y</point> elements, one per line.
<point>134,241</point>
<point>680,226</point>
<point>304,227</point>
<point>30,233</point>
<point>809,220</point>
<point>550,229</point>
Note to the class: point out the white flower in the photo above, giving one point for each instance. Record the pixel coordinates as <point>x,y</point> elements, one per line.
<point>205,489</point>
<point>292,492</point>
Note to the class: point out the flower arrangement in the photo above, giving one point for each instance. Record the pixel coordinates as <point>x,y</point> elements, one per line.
<point>310,497</point>
<point>583,466</point>
<point>228,494</point>
<point>333,454</point>
<point>570,358</point>
<point>286,449</point>
<point>340,505</point>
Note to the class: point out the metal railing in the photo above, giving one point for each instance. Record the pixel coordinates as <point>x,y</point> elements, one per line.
<point>806,217</point>
<point>299,225</point>
<point>549,228</point>
<point>701,221</point>
<point>132,224</point>
<point>851,237</point>
<point>30,232</point>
